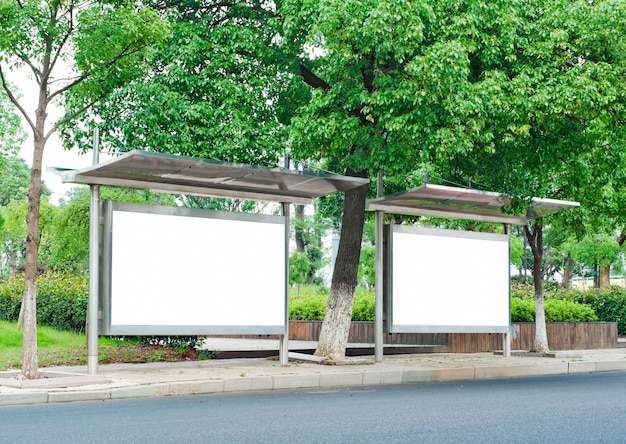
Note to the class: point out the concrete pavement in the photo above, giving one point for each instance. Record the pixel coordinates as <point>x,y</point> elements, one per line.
<point>65,384</point>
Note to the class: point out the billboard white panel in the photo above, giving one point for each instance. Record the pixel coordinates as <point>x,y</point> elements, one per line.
<point>200,272</point>
<point>447,281</point>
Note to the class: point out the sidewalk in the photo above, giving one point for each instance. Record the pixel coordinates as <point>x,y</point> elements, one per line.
<point>65,384</point>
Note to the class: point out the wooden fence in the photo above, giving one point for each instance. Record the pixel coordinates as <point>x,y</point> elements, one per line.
<point>561,336</point>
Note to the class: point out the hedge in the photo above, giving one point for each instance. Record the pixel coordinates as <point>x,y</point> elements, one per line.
<point>608,303</point>
<point>61,300</point>
<point>313,308</point>
<point>557,310</point>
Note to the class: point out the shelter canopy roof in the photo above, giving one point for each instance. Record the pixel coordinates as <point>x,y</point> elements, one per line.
<point>462,203</point>
<point>204,177</point>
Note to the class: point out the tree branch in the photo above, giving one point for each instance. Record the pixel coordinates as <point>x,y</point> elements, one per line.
<point>312,80</point>
<point>15,101</point>
<point>368,73</point>
<point>71,117</point>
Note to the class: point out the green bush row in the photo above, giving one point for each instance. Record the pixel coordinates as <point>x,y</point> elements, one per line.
<point>557,310</point>
<point>313,308</point>
<point>61,300</point>
<point>609,304</point>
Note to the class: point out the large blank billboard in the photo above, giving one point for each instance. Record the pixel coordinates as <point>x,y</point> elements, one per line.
<point>446,281</point>
<point>179,271</point>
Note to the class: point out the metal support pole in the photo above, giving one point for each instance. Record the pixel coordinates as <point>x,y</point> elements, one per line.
<point>284,339</point>
<point>506,338</point>
<point>378,326</point>
<point>94,266</point>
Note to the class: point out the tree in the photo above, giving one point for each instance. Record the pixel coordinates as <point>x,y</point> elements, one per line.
<point>598,251</point>
<point>394,84</point>
<point>107,43</point>
<point>558,117</point>
<point>298,269</point>
<point>11,133</point>
<point>216,91</point>
<point>14,180</point>
<point>308,231</point>
<point>13,234</point>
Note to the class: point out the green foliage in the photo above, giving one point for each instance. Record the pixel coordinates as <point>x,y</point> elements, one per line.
<point>608,303</point>
<point>13,233</point>
<point>595,249</point>
<point>523,310</point>
<point>308,232</point>
<point>298,268</point>
<point>367,266</point>
<point>217,90</point>
<point>176,342</point>
<point>364,308</point>
<point>14,179</point>
<point>62,300</point>
<point>312,307</point>
<point>517,251</point>
<point>11,136</point>
<point>11,294</point>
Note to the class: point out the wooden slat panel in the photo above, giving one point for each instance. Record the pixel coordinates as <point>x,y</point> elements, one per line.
<point>561,336</point>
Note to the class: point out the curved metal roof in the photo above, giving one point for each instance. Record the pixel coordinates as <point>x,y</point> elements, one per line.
<point>462,203</point>
<point>204,177</point>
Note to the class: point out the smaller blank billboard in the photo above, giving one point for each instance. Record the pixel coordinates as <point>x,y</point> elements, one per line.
<point>178,271</point>
<point>446,281</point>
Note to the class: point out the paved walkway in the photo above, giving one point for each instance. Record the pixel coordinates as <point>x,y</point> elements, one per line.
<point>63,384</point>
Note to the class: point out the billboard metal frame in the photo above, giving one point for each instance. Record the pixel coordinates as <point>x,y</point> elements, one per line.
<point>427,307</point>
<point>198,285</point>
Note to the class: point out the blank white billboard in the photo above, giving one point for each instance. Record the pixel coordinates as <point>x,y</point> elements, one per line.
<point>201,272</point>
<point>447,281</point>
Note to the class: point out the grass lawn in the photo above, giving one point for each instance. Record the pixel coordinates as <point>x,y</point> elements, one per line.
<point>60,348</point>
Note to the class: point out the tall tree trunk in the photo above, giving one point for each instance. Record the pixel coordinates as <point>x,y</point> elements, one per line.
<point>298,234</point>
<point>535,239</point>
<point>336,325</point>
<point>568,272</point>
<point>604,277</point>
<point>29,343</point>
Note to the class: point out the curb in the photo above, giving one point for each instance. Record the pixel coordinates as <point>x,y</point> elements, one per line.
<point>304,381</point>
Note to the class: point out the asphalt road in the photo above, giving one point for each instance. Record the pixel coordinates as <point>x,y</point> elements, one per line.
<point>557,409</point>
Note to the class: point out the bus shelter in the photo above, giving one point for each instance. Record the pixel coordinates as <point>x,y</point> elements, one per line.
<point>158,270</point>
<point>431,280</point>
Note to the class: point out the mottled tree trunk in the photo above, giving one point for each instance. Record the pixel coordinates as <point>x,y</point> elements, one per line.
<point>568,272</point>
<point>535,239</point>
<point>298,234</point>
<point>29,343</point>
<point>336,325</point>
<point>604,277</point>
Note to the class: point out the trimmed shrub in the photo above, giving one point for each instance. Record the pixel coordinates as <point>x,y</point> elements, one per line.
<point>11,293</point>
<point>364,308</point>
<point>310,308</point>
<point>61,300</point>
<point>313,308</point>
<point>522,310</point>
<point>609,304</point>
<point>557,310</point>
